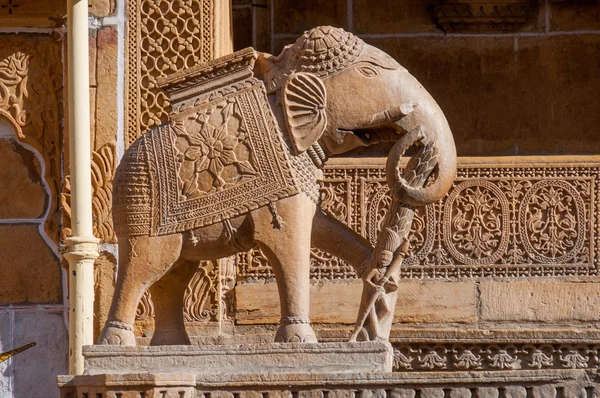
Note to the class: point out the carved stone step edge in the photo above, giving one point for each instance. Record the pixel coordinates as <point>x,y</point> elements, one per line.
<point>248,359</point>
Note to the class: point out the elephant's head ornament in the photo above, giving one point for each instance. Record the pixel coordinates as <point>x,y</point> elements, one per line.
<point>339,92</point>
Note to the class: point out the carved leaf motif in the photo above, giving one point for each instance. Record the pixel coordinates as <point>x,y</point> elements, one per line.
<point>304,101</point>
<point>468,360</point>
<point>199,298</point>
<point>104,165</point>
<point>145,308</point>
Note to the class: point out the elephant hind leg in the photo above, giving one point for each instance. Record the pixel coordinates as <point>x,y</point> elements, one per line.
<point>167,296</point>
<point>142,261</point>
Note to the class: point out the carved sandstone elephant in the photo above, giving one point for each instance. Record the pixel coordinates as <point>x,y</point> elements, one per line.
<point>237,167</point>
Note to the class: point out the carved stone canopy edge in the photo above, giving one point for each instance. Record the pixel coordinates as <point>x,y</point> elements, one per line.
<point>207,76</point>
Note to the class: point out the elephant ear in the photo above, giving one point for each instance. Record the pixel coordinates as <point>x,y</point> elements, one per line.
<point>304,100</point>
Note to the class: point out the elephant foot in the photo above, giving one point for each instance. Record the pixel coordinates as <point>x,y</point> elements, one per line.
<point>295,330</point>
<point>117,333</point>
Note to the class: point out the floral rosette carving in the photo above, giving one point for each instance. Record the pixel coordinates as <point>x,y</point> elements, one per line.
<point>213,151</point>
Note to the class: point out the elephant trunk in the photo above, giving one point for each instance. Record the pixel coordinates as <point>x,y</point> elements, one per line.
<point>428,125</point>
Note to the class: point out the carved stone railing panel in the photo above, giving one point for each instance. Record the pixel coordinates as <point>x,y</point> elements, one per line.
<point>510,217</point>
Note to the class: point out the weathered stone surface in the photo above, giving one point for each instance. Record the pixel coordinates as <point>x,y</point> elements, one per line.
<point>330,303</point>
<point>428,302</point>
<point>106,87</point>
<point>22,194</point>
<point>305,14</point>
<point>31,274</point>
<point>425,302</point>
<point>254,359</point>
<point>555,302</point>
<point>575,15</point>
<point>102,8</point>
<point>104,288</point>
<point>391,16</point>
<point>35,370</point>
<point>507,95</point>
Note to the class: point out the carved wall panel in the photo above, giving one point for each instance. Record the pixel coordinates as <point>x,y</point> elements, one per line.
<point>512,218</point>
<point>207,300</point>
<point>494,356</point>
<point>31,87</point>
<point>162,37</point>
<point>483,16</point>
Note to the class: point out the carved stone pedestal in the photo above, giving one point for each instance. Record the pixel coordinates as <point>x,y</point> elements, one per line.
<point>246,359</point>
<point>149,371</point>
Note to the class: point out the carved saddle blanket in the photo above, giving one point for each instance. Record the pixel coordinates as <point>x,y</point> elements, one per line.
<point>220,156</point>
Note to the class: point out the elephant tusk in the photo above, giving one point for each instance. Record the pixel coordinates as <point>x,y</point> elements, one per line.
<point>393,114</point>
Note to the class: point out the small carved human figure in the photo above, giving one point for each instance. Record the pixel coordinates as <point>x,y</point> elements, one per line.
<point>237,167</point>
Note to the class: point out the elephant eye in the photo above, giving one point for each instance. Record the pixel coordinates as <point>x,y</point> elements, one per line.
<point>368,70</point>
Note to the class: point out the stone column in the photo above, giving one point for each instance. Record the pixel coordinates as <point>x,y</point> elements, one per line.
<point>223,28</point>
<point>82,247</point>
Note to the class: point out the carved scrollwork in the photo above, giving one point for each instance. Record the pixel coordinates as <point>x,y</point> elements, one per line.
<point>551,221</point>
<point>476,222</point>
<point>494,356</point>
<point>200,302</point>
<point>104,165</point>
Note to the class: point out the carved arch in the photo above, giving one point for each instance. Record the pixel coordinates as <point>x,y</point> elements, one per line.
<point>31,100</point>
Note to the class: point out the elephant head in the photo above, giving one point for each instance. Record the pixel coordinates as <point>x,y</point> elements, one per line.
<point>340,93</point>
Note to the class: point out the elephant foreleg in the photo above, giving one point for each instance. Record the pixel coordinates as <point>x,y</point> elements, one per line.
<point>336,238</point>
<point>287,247</point>
<point>142,261</point>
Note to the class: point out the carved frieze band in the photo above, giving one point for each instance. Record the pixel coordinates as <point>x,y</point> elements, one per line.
<point>163,37</point>
<point>487,16</point>
<point>495,356</point>
<point>499,220</point>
